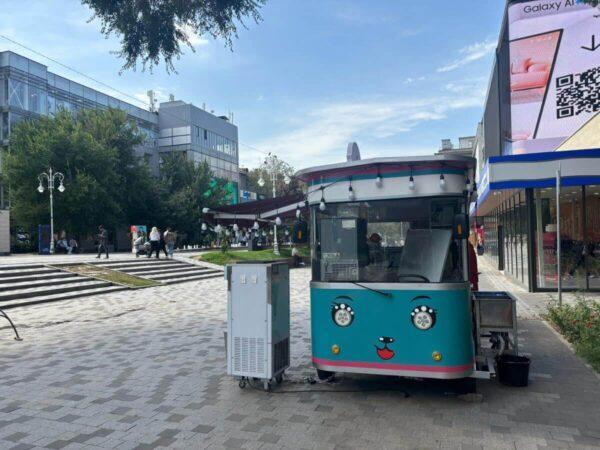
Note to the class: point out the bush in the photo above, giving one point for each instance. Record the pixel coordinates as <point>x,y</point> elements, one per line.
<point>580,324</point>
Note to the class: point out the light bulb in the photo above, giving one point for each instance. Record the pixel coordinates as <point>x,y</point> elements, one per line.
<point>255,226</point>
<point>61,188</point>
<point>411,183</point>
<point>287,233</point>
<point>442,181</point>
<point>351,195</point>
<point>261,181</point>
<point>205,210</point>
<point>204,227</point>
<point>235,227</point>
<point>40,189</point>
<point>322,205</point>
<point>378,181</point>
<point>271,232</point>
<point>298,213</point>
<point>277,221</point>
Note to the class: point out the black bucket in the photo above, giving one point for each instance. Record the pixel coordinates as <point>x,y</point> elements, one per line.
<point>513,370</point>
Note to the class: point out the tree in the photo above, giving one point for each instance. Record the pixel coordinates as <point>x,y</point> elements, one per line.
<point>95,150</point>
<point>186,188</point>
<point>155,29</point>
<point>282,170</point>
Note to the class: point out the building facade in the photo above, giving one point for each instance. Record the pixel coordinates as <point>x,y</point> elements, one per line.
<point>539,137</point>
<point>29,90</point>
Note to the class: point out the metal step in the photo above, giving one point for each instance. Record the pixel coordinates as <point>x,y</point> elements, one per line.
<point>35,292</point>
<point>37,277</point>
<point>60,297</point>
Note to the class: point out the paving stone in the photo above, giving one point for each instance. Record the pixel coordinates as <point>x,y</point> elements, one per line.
<point>156,355</point>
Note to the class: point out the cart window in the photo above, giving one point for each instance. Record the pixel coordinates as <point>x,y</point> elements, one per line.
<point>405,240</point>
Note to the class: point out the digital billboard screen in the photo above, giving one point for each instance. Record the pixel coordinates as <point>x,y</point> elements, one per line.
<point>554,72</point>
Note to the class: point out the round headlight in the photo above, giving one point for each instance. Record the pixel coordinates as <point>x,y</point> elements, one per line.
<point>423,317</point>
<point>342,314</point>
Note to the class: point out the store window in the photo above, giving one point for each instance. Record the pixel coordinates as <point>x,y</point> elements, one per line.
<point>573,273</point>
<point>592,234</point>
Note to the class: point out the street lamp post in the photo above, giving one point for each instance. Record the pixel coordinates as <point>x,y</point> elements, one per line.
<point>271,167</point>
<point>50,177</point>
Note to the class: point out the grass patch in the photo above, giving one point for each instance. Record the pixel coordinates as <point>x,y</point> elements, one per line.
<point>580,324</point>
<point>234,256</point>
<point>105,274</point>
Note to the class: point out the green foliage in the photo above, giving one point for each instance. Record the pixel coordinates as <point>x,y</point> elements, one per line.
<point>580,324</point>
<point>155,29</point>
<point>282,169</point>
<point>183,189</point>
<point>105,182</point>
<point>230,257</point>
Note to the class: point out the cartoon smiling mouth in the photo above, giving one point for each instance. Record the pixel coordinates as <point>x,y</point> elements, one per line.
<point>385,353</point>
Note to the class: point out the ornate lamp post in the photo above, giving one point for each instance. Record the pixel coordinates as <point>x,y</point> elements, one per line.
<point>50,178</point>
<point>271,168</point>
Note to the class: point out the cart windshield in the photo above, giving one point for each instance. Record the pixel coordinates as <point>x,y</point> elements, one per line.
<point>395,241</point>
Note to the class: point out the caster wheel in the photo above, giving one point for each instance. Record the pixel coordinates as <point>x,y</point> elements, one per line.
<point>242,384</point>
<point>324,375</point>
<point>279,378</point>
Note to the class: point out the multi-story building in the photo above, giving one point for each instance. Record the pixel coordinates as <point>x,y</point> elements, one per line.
<point>466,146</point>
<point>201,136</point>
<point>29,90</point>
<point>538,148</point>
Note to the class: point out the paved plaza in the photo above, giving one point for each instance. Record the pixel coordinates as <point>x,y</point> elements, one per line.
<point>146,369</point>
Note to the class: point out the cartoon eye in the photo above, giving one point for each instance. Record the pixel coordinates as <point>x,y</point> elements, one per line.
<point>423,317</point>
<point>342,314</point>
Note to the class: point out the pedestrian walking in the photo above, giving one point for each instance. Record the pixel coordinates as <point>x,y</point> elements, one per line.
<point>102,238</point>
<point>154,242</point>
<point>170,237</point>
<point>162,245</point>
<point>138,245</point>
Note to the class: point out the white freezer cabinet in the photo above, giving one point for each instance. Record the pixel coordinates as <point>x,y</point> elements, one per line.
<point>258,321</point>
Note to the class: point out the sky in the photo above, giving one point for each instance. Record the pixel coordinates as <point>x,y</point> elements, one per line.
<point>396,76</point>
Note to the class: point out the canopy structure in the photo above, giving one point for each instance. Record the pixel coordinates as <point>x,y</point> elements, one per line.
<point>397,177</point>
<point>260,210</point>
<point>534,170</point>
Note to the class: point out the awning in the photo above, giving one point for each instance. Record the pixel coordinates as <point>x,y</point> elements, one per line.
<point>261,210</point>
<point>536,170</point>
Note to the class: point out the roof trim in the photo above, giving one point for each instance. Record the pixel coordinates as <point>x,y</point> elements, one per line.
<point>466,161</point>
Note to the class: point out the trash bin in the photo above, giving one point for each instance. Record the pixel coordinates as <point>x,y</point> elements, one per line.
<point>513,370</point>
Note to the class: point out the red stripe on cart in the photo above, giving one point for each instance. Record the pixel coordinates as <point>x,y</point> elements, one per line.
<point>387,366</point>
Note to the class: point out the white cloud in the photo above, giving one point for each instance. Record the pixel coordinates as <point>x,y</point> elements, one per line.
<point>193,37</point>
<point>470,54</point>
<point>321,134</point>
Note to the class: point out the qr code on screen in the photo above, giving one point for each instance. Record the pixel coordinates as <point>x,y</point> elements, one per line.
<point>578,93</point>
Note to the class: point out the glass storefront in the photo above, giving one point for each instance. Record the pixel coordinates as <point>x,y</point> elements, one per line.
<point>592,235</point>
<point>505,234</point>
<point>514,219</point>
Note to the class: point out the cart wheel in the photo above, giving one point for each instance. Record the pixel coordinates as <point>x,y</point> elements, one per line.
<point>324,375</point>
<point>242,384</point>
<point>279,378</point>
